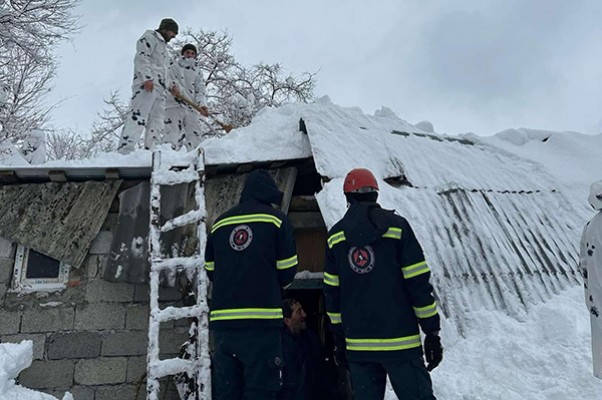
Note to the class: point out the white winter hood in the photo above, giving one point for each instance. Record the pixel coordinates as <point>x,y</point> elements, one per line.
<point>595,195</point>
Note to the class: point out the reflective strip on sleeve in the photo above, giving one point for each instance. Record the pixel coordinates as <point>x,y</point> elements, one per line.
<point>246,313</point>
<point>393,344</point>
<point>335,318</point>
<point>210,265</point>
<point>415,270</point>
<point>248,218</point>
<point>336,238</point>
<point>332,280</point>
<point>426,312</point>
<point>287,263</point>
<point>393,233</point>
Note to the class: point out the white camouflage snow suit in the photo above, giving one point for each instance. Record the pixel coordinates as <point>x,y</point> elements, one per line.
<point>147,109</point>
<point>182,122</point>
<point>591,268</point>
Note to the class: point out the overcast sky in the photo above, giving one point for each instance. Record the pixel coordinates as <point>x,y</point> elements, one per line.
<point>467,66</point>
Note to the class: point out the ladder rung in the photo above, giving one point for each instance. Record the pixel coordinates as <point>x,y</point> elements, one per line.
<point>175,313</point>
<point>172,366</point>
<point>182,262</point>
<point>190,217</point>
<point>168,178</point>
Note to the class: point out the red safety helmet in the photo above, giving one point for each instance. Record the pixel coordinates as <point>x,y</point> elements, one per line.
<point>360,180</point>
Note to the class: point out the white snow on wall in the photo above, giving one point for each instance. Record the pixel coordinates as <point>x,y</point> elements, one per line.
<point>14,358</point>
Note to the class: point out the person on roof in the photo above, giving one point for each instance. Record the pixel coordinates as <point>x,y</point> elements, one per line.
<point>377,294</point>
<point>250,257</point>
<point>590,258</point>
<point>149,89</point>
<point>182,122</point>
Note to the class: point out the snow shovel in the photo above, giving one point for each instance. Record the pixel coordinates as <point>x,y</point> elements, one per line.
<point>226,127</point>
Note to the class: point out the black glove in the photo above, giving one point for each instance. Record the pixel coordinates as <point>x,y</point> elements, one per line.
<point>339,352</point>
<point>433,351</point>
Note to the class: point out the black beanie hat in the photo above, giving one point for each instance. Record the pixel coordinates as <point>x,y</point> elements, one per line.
<point>189,46</point>
<point>168,24</point>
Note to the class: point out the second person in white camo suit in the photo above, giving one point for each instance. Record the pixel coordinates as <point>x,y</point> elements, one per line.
<point>182,122</point>
<point>149,89</point>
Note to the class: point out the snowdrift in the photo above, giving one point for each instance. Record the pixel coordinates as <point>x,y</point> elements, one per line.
<point>14,358</point>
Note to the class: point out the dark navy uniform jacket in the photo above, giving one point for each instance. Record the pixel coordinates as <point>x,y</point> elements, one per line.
<point>250,256</point>
<point>376,285</point>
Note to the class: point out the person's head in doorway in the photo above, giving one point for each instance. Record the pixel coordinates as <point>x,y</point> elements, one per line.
<point>294,316</point>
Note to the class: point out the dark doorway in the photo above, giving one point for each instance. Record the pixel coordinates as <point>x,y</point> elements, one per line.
<point>336,380</point>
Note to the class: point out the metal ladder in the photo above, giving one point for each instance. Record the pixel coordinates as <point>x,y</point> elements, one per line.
<point>188,168</point>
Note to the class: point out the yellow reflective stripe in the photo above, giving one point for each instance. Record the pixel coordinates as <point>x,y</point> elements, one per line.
<point>287,263</point>
<point>210,265</point>
<point>336,238</point>
<point>242,219</point>
<point>335,318</point>
<point>426,312</point>
<point>392,344</point>
<point>246,313</point>
<point>332,280</point>
<point>415,270</point>
<point>393,233</point>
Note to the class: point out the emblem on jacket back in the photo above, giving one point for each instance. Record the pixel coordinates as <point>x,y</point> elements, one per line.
<point>241,237</point>
<point>361,259</point>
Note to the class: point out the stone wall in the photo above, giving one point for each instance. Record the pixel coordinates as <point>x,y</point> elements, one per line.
<point>91,338</point>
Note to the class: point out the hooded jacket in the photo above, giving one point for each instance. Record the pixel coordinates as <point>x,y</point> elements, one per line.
<point>150,61</point>
<point>250,256</point>
<point>187,76</point>
<point>591,268</point>
<point>376,285</point>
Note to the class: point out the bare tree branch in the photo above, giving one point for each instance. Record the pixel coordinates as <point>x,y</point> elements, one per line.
<point>29,32</point>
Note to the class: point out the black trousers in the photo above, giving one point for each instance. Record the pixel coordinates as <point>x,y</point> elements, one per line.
<point>247,364</point>
<point>409,378</point>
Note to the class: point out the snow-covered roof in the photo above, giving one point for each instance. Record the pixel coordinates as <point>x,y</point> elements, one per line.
<point>572,158</point>
<point>493,224</point>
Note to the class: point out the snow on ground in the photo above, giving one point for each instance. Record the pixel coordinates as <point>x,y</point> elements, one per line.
<point>545,356</point>
<point>13,359</point>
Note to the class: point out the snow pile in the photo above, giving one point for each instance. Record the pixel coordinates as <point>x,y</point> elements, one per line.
<point>10,156</point>
<point>544,355</point>
<point>273,135</point>
<point>14,358</point>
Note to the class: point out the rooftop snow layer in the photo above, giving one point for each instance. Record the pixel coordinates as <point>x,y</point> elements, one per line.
<point>495,230</point>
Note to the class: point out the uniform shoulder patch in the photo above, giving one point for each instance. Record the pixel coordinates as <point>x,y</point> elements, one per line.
<point>241,237</point>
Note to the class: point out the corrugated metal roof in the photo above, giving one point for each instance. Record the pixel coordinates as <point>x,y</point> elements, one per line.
<point>495,230</point>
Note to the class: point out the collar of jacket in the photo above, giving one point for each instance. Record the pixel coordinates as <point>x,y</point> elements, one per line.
<point>365,222</point>
<point>261,187</point>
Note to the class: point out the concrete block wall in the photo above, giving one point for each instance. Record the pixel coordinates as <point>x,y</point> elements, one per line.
<point>90,339</point>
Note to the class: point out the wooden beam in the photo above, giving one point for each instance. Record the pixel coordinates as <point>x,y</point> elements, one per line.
<point>291,178</point>
<point>57,176</point>
<point>8,177</point>
<point>242,168</point>
<point>112,173</point>
<point>306,220</point>
<point>304,203</point>
<point>277,164</point>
